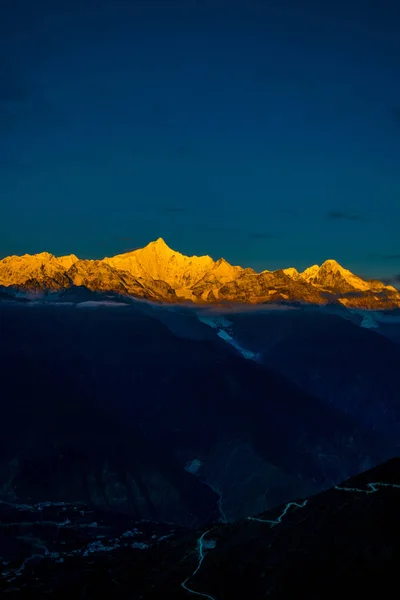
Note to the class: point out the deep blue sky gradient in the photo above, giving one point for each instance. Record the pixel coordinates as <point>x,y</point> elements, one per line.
<point>267,132</point>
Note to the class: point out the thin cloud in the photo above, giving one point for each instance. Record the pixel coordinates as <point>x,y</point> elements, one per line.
<point>172,209</point>
<point>20,102</point>
<point>159,112</point>
<point>385,256</point>
<point>336,215</point>
<point>395,280</point>
<point>13,87</point>
<point>131,249</point>
<point>189,152</point>
<point>115,239</point>
<point>396,114</point>
<point>182,150</point>
<point>261,236</point>
<point>11,165</point>
<point>10,118</point>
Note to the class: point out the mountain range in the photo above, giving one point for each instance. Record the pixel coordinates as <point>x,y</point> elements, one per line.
<point>186,445</point>
<point>158,273</point>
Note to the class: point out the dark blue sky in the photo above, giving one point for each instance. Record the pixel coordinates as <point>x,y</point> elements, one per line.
<point>266,131</point>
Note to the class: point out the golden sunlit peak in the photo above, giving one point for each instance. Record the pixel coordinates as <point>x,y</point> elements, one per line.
<point>42,255</point>
<point>68,260</point>
<point>165,273</point>
<point>331,263</point>
<point>310,271</point>
<point>158,244</point>
<point>291,271</point>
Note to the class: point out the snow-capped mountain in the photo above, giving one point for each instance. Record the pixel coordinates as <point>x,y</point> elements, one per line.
<point>332,276</point>
<point>156,272</point>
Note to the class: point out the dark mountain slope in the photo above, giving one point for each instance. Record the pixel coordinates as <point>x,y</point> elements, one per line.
<point>341,541</point>
<point>148,415</point>
<point>352,368</point>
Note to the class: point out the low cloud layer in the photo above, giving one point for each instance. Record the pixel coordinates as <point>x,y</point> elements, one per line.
<point>336,215</point>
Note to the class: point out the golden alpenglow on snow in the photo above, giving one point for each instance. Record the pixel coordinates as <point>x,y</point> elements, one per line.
<point>158,273</point>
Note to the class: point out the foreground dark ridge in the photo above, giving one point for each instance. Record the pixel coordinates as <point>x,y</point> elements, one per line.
<point>161,419</point>
<point>159,273</point>
<point>345,538</point>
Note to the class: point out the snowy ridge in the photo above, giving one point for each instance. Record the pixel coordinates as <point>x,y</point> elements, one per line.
<point>160,273</point>
<point>371,319</point>
<point>224,331</point>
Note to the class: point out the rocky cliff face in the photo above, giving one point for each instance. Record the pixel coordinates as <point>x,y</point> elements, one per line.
<point>97,275</point>
<point>159,273</point>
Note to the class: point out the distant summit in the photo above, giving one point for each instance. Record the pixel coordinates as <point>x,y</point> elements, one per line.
<point>159,273</point>
<point>332,276</point>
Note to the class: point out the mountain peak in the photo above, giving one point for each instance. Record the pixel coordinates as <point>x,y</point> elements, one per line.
<point>331,263</point>
<point>310,272</point>
<point>67,260</point>
<point>332,276</point>
<point>159,246</point>
<point>159,243</point>
<point>157,261</point>
<point>197,278</point>
<point>292,272</point>
<point>45,255</point>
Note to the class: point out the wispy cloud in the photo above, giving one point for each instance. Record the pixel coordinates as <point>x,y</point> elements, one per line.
<point>13,86</point>
<point>131,249</point>
<point>396,114</point>
<point>188,151</point>
<point>183,150</point>
<point>261,235</point>
<point>172,209</point>
<point>115,239</point>
<point>394,280</point>
<point>9,164</point>
<point>21,103</point>
<point>385,256</point>
<point>336,215</point>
